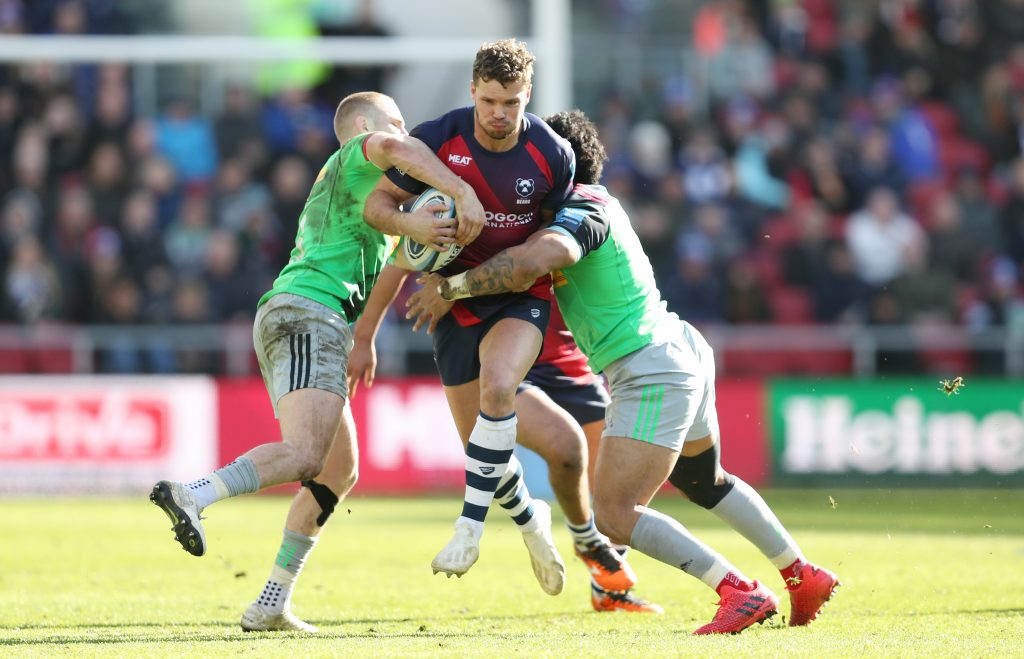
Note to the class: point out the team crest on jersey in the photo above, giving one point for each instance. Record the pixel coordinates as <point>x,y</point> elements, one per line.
<point>524,187</point>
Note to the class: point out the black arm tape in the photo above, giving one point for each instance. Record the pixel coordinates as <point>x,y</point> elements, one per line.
<point>325,497</point>
<point>695,477</point>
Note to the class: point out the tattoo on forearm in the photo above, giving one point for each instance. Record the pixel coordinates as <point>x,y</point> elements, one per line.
<point>494,276</point>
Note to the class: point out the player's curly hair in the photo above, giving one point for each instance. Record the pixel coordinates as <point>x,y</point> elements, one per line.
<point>506,61</point>
<point>581,133</point>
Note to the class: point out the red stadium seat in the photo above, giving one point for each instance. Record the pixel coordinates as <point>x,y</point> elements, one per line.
<point>791,306</point>
<point>942,117</point>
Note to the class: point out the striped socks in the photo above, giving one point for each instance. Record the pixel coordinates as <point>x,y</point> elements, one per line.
<point>239,477</point>
<point>487,458</point>
<point>513,496</point>
<point>585,535</point>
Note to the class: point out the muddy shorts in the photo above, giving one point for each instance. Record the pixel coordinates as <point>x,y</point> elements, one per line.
<point>301,343</point>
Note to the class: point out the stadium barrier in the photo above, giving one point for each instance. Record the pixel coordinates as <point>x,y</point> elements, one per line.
<point>114,434</point>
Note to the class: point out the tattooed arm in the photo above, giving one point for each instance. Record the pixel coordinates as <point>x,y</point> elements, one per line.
<point>516,268</point>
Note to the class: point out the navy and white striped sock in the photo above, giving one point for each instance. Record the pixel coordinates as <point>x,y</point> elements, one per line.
<point>513,496</point>
<point>487,457</point>
<point>585,535</point>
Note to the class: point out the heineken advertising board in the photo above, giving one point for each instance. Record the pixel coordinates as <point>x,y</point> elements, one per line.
<point>901,431</point>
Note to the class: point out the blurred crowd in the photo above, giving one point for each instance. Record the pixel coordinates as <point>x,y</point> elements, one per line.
<point>820,162</point>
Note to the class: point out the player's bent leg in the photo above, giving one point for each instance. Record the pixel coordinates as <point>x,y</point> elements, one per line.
<point>506,352</point>
<point>699,475</point>
<point>309,422</point>
<point>629,472</point>
<point>309,512</point>
<point>549,431</point>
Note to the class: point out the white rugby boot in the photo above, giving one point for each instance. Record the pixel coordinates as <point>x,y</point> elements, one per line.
<point>461,552</point>
<point>548,566</point>
<point>177,502</point>
<point>258,619</point>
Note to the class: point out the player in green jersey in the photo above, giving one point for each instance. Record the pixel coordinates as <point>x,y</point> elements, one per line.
<point>661,424</point>
<point>302,338</point>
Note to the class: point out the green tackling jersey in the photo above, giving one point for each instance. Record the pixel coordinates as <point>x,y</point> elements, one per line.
<point>609,298</point>
<point>337,256</point>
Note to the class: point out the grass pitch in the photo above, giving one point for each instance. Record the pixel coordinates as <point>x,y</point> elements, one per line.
<point>926,573</point>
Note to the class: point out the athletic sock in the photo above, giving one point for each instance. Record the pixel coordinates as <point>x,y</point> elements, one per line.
<point>585,535</point>
<point>239,477</point>
<point>791,573</point>
<point>513,496</point>
<point>291,557</point>
<point>744,510</point>
<point>487,457</point>
<point>664,539</point>
<point>734,581</point>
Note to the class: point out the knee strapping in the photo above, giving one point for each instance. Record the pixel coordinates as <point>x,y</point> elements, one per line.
<point>695,477</point>
<point>325,497</point>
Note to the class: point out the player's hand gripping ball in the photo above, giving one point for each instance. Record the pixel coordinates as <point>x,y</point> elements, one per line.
<point>422,257</point>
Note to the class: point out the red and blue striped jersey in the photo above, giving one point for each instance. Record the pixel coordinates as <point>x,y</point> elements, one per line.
<point>513,186</point>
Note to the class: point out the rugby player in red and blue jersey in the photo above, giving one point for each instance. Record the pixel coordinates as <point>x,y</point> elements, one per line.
<point>522,172</point>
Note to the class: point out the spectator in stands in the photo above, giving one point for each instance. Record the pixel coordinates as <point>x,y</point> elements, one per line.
<point>707,177</point>
<point>65,128</point>
<point>143,247</point>
<point>881,237</point>
<point>838,295</point>
<point>107,177</point>
<point>71,242</point>
<point>21,216</point>
<point>111,117</point>
<point>923,292</point>
<point>818,175</point>
<point>694,291</point>
<point>1013,214</point>
<point>187,141</point>
<point>188,236</point>
<point>232,285</point>
<point>237,195</point>
<point>290,180</point>
<point>952,247</point>
<point>911,135</point>
<point>239,123</point>
<point>746,300</point>
<point>805,260</point>
<point>291,114</point>
<point>874,167</point>
<point>32,289</point>
<point>755,182</point>
<point>157,175</point>
<point>980,217</point>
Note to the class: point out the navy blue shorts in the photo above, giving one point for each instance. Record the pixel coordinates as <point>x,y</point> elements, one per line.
<point>457,348</point>
<point>584,402</point>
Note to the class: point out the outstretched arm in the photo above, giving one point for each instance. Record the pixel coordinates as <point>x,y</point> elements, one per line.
<point>362,361</point>
<point>516,268</point>
<point>387,150</point>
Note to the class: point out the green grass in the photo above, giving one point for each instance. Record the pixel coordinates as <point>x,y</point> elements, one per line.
<point>926,573</point>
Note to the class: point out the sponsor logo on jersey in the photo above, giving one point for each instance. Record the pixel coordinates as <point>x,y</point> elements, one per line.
<point>558,279</point>
<point>456,159</point>
<point>535,313</point>
<point>524,187</point>
<point>507,219</point>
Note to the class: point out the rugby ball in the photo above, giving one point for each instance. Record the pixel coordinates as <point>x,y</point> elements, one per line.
<point>422,257</point>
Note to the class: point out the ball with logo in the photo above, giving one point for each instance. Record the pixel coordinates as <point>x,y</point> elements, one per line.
<point>423,257</point>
